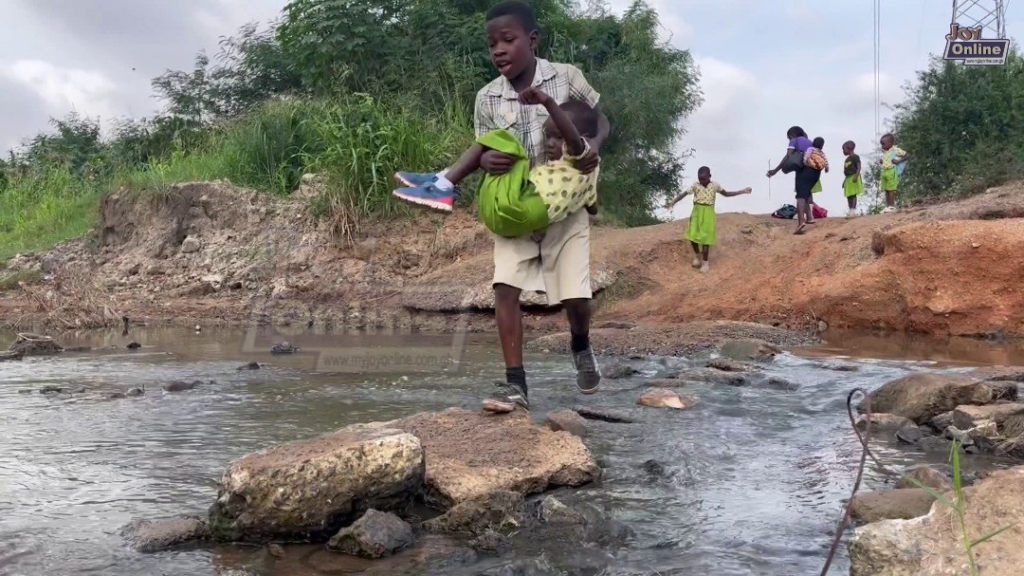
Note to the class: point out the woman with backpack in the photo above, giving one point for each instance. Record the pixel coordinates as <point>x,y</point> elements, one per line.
<point>805,176</point>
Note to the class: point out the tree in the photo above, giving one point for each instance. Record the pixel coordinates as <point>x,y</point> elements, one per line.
<point>964,126</point>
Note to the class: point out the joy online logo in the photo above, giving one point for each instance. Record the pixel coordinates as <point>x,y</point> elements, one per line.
<point>967,45</point>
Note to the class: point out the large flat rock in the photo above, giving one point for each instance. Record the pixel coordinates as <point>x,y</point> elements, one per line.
<point>312,488</point>
<point>470,455</point>
<point>931,545</point>
<point>921,397</point>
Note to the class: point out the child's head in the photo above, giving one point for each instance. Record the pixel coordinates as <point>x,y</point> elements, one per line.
<point>849,147</point>
<point>818,143</point>
<point>583,117</point>
<point>887,141</point>
<point>704,175</point>
<point>796,132</point>
<point>512,37</point>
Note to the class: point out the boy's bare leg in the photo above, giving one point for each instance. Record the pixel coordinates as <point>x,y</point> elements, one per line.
<point>468,163</point>
<point>577,311</point>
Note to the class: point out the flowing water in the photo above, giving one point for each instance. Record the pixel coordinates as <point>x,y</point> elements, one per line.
<point>757,476</point>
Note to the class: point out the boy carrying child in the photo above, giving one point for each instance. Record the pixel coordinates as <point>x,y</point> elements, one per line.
<point>556,261</point>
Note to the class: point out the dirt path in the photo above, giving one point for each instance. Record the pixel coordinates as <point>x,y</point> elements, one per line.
<point>208,252</point>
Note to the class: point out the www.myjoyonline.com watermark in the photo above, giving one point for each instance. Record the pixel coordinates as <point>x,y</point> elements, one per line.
<point>276,320</point>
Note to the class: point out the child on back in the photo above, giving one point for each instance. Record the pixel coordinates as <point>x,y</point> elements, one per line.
<point>815,158</point>
<point>894,161</point>
<point>533,198</point>
<point>701,231</point>
<point>853,185</point>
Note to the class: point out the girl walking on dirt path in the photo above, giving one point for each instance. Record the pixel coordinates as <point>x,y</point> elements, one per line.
<point>805,176</point>
<point>701,231</point>
<point>817,145</point>
<point>853,185</point>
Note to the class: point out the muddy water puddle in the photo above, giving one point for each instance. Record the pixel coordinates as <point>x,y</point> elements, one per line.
<point>750,482</point>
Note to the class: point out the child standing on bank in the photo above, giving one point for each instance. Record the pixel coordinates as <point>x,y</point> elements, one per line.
<point>853,185</point>
<point>894,161</point>
<point>701,232</point>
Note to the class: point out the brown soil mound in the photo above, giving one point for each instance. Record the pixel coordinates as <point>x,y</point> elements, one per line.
<point>210,251</point>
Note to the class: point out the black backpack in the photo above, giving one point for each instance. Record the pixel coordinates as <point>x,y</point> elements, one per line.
<point>787,212</point>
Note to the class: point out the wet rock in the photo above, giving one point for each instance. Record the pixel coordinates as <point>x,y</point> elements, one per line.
<point>1012,448</point>
<point>654,469</point>
<point>967,417</point>
<point>52,389</point>
<point>883,422</point>
<point>841,367</point>
<point>890,504</point>
<point>499,510</point>
<point>983,430</point>
<point>470,455</point>
<point>312,488</point>
<point>662,398</point>
<point>276,550</point>
<point>283,348</point>
<point>180,386</point>
<point>750,350</point>
<point>954,433</point>
<point>619,371</point>
<point>781,384</point>
<point>554,512</point>
<point>726,365</point>
<point>567,421</point>
<point>190,245</point>
<point>909,434</point>
<point>942,421</point>
<point>150,536</point>
<point>612,416</point>
<point>926,476</point>
<point>5,356</point>
<point>1000,373</point>
<point>491,542</point>
<point>935,445</point>
<point>712,376</point>
<point>921,397</point>
<point>34,345</point>
<point>930,546</point>
<point>250,366</point>
<point>135,392</point>
<point>375,535</point>
<point>133,346</point>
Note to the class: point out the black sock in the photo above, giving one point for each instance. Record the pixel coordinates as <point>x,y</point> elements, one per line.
<point>580,342</point>
<point>516,375</point>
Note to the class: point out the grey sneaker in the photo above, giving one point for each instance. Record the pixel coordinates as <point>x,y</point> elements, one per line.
<point>506,398</point>
<point>588,374</point>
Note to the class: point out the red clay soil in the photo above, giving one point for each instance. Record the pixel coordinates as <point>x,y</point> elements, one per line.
<point>948,269</point>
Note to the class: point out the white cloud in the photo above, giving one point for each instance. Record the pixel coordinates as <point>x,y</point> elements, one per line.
<point>89,92</point>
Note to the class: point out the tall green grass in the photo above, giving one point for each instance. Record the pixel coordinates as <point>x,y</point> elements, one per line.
<point>356,143</point>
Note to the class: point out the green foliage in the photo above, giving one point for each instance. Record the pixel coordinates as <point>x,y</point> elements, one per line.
<point>355,89</point>
<point>965,127</point>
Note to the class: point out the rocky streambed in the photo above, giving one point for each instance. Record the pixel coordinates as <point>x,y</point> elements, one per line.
<point>269,467</point>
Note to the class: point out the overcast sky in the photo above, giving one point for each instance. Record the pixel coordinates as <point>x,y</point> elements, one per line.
<point>765,66</point>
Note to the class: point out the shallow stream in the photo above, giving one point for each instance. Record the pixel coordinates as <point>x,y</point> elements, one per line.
<point>756,476</point>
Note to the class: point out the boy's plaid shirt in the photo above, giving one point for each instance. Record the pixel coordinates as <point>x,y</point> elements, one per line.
<point>498,107</point>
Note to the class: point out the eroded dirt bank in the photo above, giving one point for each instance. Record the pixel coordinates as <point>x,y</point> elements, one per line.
<point>210,252</point>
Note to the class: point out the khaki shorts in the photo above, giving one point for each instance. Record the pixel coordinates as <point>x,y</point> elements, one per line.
<point>558,265</point>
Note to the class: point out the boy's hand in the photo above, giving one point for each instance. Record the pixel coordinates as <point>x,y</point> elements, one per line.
<point>534,96</point>
<point>589,161</point>
<point>747,190</point>
<point>496,163</point>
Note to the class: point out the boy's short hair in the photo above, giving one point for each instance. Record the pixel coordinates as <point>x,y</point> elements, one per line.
<point>583,116</point>
<point>703,170</point>
<point>890,136</point>
<point>849,144</point>
<point>517,9</point>
<point>818,142</point>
